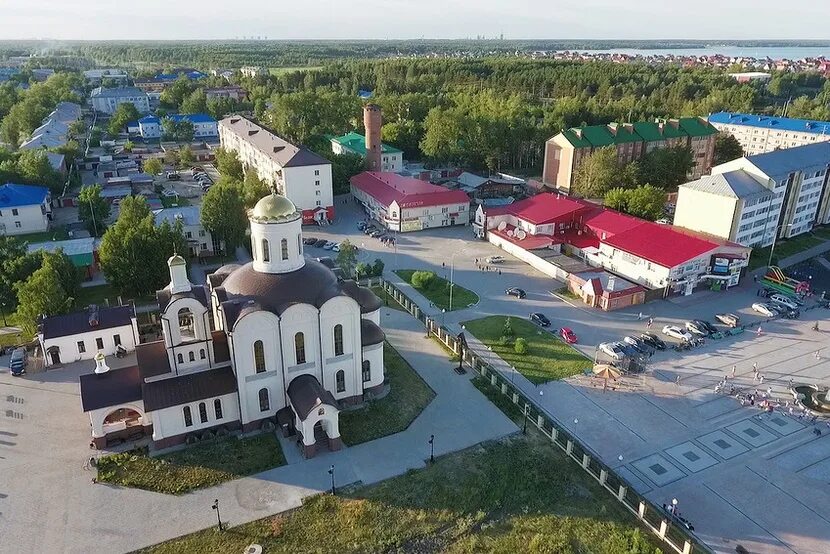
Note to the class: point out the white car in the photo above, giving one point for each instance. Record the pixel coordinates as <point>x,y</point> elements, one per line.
<point>784,300</point>
<point>335,248</point>
<point>495,260</point>
<point>764,309</point>
<point>611,350</point>
<point>676,332</point>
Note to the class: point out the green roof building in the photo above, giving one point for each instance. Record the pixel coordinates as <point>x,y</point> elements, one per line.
<point>565,151</point>
<point>355,143</point>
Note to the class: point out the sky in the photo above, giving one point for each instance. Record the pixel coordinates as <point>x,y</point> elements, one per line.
<point>404,19</point>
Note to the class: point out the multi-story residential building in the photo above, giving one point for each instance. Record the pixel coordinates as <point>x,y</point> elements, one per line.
<point>98,76</point>
<point>199,240</point>
<point>761,133</point>
<point>204,126</point>
<point>24,209</point>
<point>107,100</point>
<point>253,71</point>
<point>293,171</point>
<point>565,152</point>
<point>753,199</point>
<point>232,92</point>
<point>152,86</point>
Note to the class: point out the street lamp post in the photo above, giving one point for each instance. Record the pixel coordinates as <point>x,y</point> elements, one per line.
<point>218,517</point>
<point>452,275</point>
<point>432,449</point>
<point>524,426</point>
<point>331,472</point>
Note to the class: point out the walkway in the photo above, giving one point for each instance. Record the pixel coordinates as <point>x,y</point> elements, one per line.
<point>76,516</point>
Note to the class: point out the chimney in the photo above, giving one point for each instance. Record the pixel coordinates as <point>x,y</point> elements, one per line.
<point>612,128</point>
<point>372,122</point>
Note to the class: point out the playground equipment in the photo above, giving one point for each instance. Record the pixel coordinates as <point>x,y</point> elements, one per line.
<point>776,280</point>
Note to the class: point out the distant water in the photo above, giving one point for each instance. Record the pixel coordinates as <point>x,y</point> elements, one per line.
<point>776,53</point>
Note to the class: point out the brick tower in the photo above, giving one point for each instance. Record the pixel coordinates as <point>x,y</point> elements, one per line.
<point>372,121</point>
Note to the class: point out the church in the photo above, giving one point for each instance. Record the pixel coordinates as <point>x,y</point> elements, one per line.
<point>279,342</point>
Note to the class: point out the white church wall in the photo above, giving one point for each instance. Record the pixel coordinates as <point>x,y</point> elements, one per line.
<point>255,326</point>
<point>301,318</point>
<point>374,355</point>
<point>170,422</point>
<point>345,311</point>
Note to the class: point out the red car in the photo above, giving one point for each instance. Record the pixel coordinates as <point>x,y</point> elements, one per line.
<point>567,335</point>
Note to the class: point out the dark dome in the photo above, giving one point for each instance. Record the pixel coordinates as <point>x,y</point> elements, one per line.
<point>312,284</point>
<point>368,300</point>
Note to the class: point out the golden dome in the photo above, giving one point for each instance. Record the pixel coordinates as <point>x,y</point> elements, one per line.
<point>273,207</point>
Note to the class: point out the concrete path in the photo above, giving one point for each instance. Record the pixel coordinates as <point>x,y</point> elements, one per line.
<point>48,504</point>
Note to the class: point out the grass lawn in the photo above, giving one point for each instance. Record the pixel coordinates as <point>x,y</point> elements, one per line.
<point>387,298</point>
<point>517,495</point>
<point>439,292</point>
<point>408,396</point>
<point>195,467</point>
<point>787,247</point>
<point>566,293</point>
<point>55,233</point>
<point>501,401</point>
<point>97,295</point>
<point>547,358</point>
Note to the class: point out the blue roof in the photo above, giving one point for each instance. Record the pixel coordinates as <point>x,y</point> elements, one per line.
<point>782,162</point>
<point>767,122</point>
<point>193,118</point>
<point>148,119</point>
<point>13,195</point>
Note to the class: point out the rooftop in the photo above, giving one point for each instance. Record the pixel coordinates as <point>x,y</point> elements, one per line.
<point>733,184</point>
<point>357,144</point>
<point>116,92</point>
<point>782,162</point>
<point>768,122</point>
<point>660,244</point>
<point>193,118</point>
<point>189,215</point>
<point>596,136</point>
<point>79,322</point>
<point>408,192</point>
<point>13,195</point>
<point>540,209</point>
<point>276,148</point>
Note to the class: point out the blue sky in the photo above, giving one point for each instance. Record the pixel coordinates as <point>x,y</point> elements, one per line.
<point>381,19</point>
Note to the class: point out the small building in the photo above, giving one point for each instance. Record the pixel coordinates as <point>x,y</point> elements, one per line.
<point>199,240</point>
<point>406,204</point>
<point>97,76</point>
<point>81,335</point>
<point>204,126</point>
<point>495,186</point>
<point>355,143</point>
<point>82,252</point>
<point>232,92</point>
<point>24,209</point>
<point>606,291</point>
<point>107,100</point>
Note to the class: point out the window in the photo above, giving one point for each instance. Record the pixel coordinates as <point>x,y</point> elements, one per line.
<point>81,347</point>
<point>188,418</point>
<point>315,182</point>
<point>14,210</point>
<point>367,371</point>
<point>317,172</point>
<point>264,402</point>
<point>202,354</point>
<point>191,356</point>
<point>284,249</point>
<point>17,224</point>
<point>299,245</point>
<point>317,192</point>
<point>201,233</point>
<point>217,408</point>
<point>259,356</point>
<point>318,204</point>
<point>180,358</point>
<point>202,412</point>
<point>188,235</point>
<point>99,343</point>
<point>338,340</point>
<point>266,252</point>
<point>116,339</point>
<point>299,348</point>
<point>340,380</point>
<point>186,324</point>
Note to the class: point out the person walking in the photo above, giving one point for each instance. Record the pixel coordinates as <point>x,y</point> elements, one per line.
<point>818,354</point>
<point>759,331</point>
<point>761,379</point>
<point>677,380</point>
<point>650,321</point>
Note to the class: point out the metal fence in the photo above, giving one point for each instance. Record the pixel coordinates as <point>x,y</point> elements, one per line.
<point>673,535</point>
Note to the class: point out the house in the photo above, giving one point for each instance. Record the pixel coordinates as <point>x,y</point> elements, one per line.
<point>107,100</point>
<point>97,76</point>
<point>204,126</point>
<point>55,130</point>
<point>277,342</point>
<point>378,156</point>
<point>24,209</point>
<point>233,92</point>
<point>81,335</point>
<point>406,204</point>
<point>758,134</point>
<point>565,152</point>
<point>295,171</point>
<point>254,71</point>
<point>495,186</point>
<point>83,252</point>
<point>199,240</point>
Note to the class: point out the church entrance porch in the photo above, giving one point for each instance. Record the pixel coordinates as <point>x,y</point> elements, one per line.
<point>316,415</point>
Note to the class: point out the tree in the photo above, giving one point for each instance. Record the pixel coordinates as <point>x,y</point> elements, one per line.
<point>69,276</point>
<point>128,146</point>
<point>186,157</point>
<point>122,115</point>
<point>153,166</point>
<point>520,346</point>
<point>666,168</point>
<point>598,173</point>
<point>229,165</point>
<point>180,130</point>
<point>35,168</point>
<point>196,102</point>
<point>377,267</point>
<point>16,264</point>
<point>616,199</point>
<point>254,189</point>
<point>646,202</point>
<point>727,148</point>
<point>347,257</point>
<point>40,293</point>
<point>93,210</point>
<point>343,168</point>
<point>223,214</point>
<point>422,279</point>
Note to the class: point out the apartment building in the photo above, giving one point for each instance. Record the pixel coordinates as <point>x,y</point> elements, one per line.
<point>760,133</point>
<point>753,199</point>
<point>204,126</point>
<point>24,209</point>
<point>293,171</point>
<point>565,152</point>
<point>233,92</point>
<point>107,100</point>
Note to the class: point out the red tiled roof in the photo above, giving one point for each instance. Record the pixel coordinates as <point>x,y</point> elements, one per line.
<point>540,209</point>
<point>530,242</point>
<point>406,191</point>
<point>660,244</point>
<point>585,240</point>
<point>610,222</point>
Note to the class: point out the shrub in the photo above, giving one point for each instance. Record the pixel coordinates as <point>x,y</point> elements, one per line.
<point>362,270</point>
<point>507,331</point>
<point>377,267</point>
<point>520,347</point>
<point>422,279</point>
<point>505,341</point>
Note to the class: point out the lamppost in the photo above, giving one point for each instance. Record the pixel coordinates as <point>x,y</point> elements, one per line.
<point>218,517</point>
<point>432,449</point>
<point>524,426</point>
<point>452,274</point>
<point>331,472</point>
<point>774,238</point>
<point>3,311</point>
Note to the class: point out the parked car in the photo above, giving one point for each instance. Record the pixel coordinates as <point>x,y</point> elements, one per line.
<point>567,335</point>
<point>695,328</point>
<point>764,309</point>
<point>627,349</point>
<point>515,291</point>
<point>329,245</point>
<point>611,350</point>
<point>173,176</point>
<point>17,363</point>
<point>495,259</point>
<point>308,241</point>
<point>676,332</point>
<point>730,320</point>
<point>377,233</point>
<point>791,314</point>
<point>653,341</point>
<point>369,229</point>
<point>540,319</point>
<point>335,248</point>
<point>321,243</point>
<point>638,345</point>
<point>784,300</point>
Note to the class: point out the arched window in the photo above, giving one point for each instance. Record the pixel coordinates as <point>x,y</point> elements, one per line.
<point>191,356</point>
<point>299,348</point>
<point>284,248</point>
<point>186,329</point>
<point>299,245</point>
<point>259,356</point>
<point>201,353</point>
<point>202,412</point>
<point>188,419</point>
<point>217,408</point>
<point>180,358</point>
<point>340,380</point>
<point>264,402</point>
<point>367,371</point>
<point>338,340</point>
<point>266,252</point>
